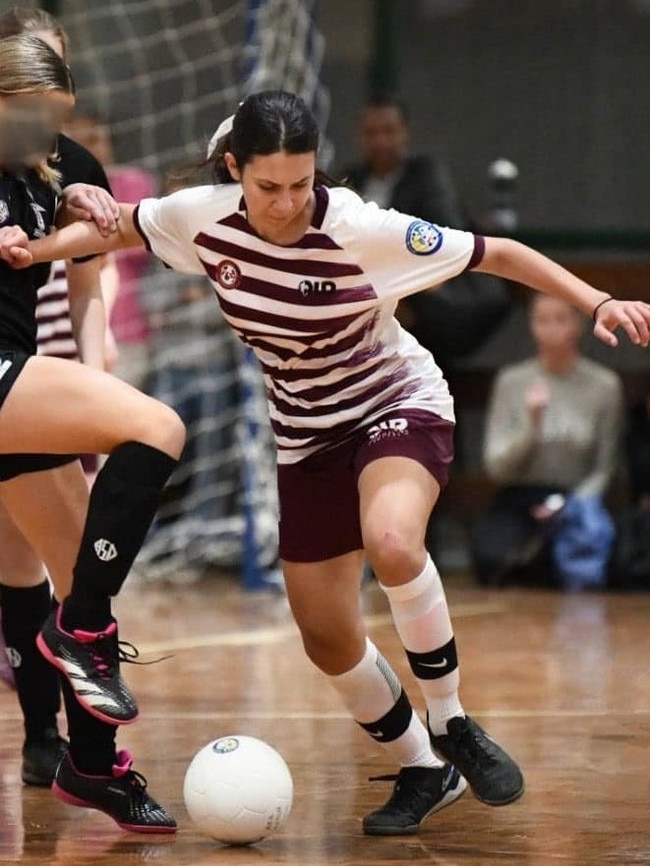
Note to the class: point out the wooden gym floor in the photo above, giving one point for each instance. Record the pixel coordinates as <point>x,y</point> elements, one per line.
<point>562,681</point>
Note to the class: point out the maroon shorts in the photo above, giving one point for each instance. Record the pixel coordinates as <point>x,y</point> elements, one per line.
<point>319,497</point>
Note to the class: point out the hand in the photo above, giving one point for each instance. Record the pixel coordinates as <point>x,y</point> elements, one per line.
<point>13,247</point>
<point>93,204</point>
<point>551,506</point>
<point>537,397</point>
<point>632,316</point>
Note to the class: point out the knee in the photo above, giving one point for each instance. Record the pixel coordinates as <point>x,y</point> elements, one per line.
<point>333,652</point>
<point>393,553</point>
<point>172,431</point>
<point>165,430</point>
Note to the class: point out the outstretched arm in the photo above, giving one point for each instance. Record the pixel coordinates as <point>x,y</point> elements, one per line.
<point>515,261</point>
<point>73,241</point>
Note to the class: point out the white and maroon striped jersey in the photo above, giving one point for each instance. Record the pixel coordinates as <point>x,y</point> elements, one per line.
<point>319,315</point>
<point>54,334</point>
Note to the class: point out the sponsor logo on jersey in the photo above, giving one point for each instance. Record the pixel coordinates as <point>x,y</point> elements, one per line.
<point>390,429</point>
<point>228,274</point>
<point>4,211</point>
<point>38,212</point>
<point>307,288</point>
<point>423,238</point>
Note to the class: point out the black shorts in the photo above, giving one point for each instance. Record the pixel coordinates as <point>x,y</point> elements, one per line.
<point>11,465</point>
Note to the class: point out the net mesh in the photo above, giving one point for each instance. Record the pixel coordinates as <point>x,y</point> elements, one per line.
<point>163,74</point>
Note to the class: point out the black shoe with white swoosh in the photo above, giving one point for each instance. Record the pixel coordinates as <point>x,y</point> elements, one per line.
<point>418,792</point>
<point>90,661</point>
<point>495,779</point>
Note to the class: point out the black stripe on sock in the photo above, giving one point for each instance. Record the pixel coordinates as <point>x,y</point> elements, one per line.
<point>434,664</point>
<point>393,724</point>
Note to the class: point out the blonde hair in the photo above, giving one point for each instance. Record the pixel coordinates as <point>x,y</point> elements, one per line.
<point>30,19</point>
<point>27,66</point>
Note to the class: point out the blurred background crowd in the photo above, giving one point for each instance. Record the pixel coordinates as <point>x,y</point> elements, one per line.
<point>498,116</point>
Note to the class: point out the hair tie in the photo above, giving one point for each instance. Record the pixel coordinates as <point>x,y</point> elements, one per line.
<point>224,129</point>
<point>598,306</point>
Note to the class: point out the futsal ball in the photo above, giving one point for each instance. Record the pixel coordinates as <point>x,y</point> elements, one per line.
<point>238,790</point>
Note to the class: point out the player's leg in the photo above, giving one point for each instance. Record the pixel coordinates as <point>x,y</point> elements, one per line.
<point>143,439</point>
<point>320,516</point>
<point>325,601</point>
<point>26,603</point>
<point>397,495</point>
<point>51,508</point>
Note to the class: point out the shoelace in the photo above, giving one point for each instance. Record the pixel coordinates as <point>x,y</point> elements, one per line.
<point>129,654</point>
<point>137,781</point>
<point>477,745</point>
<point>102,658</point>
<point>105,662</point>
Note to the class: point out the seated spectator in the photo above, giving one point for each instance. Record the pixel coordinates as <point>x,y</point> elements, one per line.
<point>629,567</point>
<point>552,437</point>
<point>637,452</point>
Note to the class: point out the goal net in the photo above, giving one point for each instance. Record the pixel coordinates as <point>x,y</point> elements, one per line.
<point>162,74</point>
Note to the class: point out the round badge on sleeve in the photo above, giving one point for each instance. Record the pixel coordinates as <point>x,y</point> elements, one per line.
<point>423,238</point>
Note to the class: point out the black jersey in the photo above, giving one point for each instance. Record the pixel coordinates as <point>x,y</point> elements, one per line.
<point>31,203</point>
<point>78,165</point>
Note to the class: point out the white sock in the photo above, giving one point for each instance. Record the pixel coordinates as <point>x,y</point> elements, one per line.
<point>421,617</point>
<point>369,691</point>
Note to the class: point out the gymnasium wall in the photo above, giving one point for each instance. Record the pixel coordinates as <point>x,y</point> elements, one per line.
<point>559,86</point>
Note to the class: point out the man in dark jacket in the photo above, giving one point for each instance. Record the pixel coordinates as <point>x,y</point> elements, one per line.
<point>457,318</point>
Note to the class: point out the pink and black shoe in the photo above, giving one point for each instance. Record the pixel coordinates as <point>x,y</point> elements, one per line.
<point>123,795</point>
<point>91,663</point>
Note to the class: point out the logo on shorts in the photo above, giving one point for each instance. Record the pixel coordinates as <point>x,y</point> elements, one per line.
<point>423,238</point>
<point>6,365</point>
<point>4,211</point>
<point>390,429</point>
<point>228,274</point>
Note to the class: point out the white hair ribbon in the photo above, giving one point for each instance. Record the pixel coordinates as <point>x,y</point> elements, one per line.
<point>222,130</point>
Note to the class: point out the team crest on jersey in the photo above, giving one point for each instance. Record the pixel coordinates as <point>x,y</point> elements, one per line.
<point>228,274</point>
<point>423,238</point>
<point>4,211</point>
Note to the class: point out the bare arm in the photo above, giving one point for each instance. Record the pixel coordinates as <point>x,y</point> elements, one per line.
<point>73,241</point>
<point>87,311</point>
<point>515,261</point>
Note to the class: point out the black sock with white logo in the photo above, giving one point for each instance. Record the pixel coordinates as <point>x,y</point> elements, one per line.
<point>24,610</point>
<point>123,503</point>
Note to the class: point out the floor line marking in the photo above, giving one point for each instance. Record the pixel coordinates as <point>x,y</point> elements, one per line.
<point>286,631</point>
